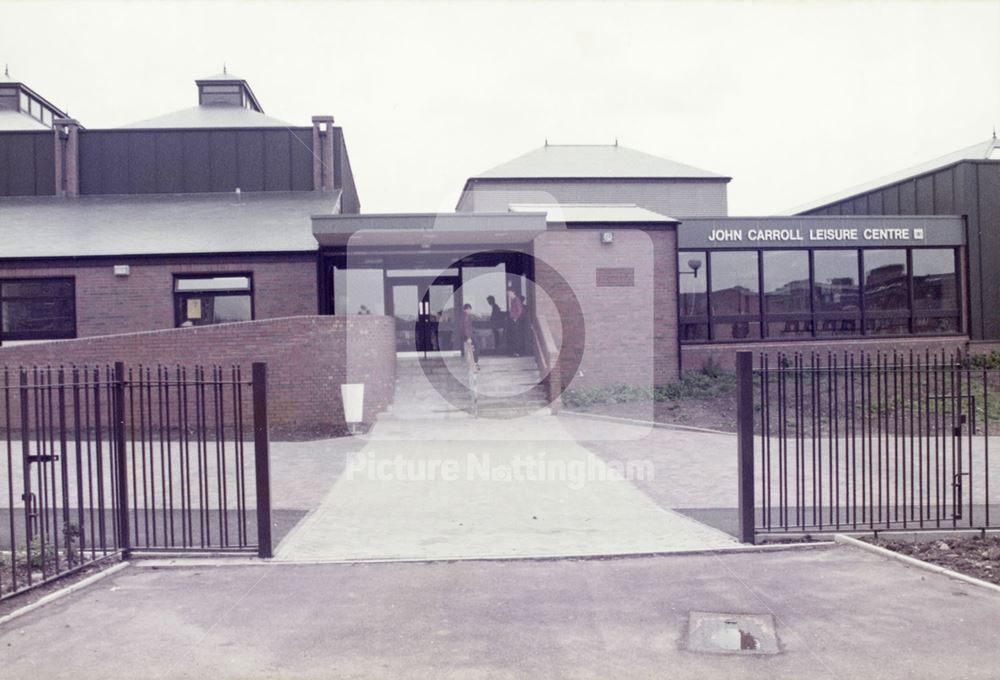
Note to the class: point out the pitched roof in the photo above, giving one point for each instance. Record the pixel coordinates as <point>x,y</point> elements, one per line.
<point>162,224</point>
<point>594,213</point>
<point>210,116</point>
<point>988,150</point>
<point>593,161</point>
<point>15,120</point>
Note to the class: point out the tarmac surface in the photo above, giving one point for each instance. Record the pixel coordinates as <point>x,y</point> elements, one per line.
<point>476,491</point>
<point>838,613</point>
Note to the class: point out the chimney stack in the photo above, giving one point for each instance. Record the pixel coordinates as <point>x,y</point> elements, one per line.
<point>67,151</point>
<point>323,175</point>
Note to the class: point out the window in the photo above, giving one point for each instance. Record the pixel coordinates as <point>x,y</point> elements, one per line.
<point>886,292</point>
<point>37,309</point>
<point>203,300</point>
<point>784,294</point>
<point>787,293</point>
<point>935,290</point>
<point>693,297</point>
<point>358,291</point>
<point>734,295</point>
<point>836,293</point>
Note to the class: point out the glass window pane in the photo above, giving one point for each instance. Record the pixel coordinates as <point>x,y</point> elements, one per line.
<point>38,288</point>
<point>734,283</point>
<point>53,315</point>
<point>694,332</point>
<point>786,281</point>
<point>212,283</point>
<point>890,326</point>
<point>935,282</point>
<point>948,324</point>
<point>790,328</point>
<point>693,284</point>
<point>740,330</point>
<point>481,283</point>
<point>885,280</point>
<point>839,326</point>
<point>205,310</point>
<point>835,286</point>
<point>228,308</point>
<point>358,291</point>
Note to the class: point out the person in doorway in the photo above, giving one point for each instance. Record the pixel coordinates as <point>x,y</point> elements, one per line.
<point>468,334</point>
<point>515,333</point>
<point>498,319</point>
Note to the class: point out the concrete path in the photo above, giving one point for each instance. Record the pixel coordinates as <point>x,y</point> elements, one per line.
<point>487,488</point>
<point>838,612</point>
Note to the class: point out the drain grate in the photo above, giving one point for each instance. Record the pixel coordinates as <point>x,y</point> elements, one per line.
<point>715,633</point>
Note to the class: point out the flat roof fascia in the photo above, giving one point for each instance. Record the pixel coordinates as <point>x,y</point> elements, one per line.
<point>472,222</point>
<point>156,258</point>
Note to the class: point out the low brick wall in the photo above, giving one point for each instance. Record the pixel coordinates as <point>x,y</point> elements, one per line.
<point>308,358</point>
<point>696,357</point>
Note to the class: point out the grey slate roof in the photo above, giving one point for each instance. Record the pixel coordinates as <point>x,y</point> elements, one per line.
<point>14,120</point>
<point>593,161</point>
<point>160,224</point>
<point>977,152</point>
<point>210,116</point>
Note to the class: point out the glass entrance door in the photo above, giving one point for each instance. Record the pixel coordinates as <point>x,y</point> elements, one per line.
<point>425,315</point>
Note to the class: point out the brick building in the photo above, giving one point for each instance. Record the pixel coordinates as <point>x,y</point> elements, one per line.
<point>117,241</point>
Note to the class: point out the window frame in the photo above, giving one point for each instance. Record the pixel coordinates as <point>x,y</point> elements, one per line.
<point>180,297</point>
<point>16,336</point>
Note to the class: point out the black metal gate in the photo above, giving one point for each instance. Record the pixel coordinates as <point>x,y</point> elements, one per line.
<point>867,442</point>
<point>100,461</point>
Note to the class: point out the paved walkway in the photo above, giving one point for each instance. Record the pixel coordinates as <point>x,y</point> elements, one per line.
<point>838,612</point>
<point>487,488</point>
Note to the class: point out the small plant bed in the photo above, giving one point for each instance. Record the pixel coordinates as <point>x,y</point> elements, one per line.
<point>696,399</point>
<point>971,555</point>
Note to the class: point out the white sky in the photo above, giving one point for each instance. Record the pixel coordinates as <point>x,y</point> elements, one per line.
<point>793,100</point>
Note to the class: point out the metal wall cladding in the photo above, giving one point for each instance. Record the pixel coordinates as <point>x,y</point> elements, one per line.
<point>969,188</point>
<point>195,161</point>
<point>27,163</point>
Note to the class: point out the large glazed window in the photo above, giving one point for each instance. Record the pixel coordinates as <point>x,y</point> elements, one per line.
<point>735,295</point>
<point>358,291</point>
<point>835,292</point>
<point>203,300</point>
<point>935,290</point>
<point>37,309</point>
<point>786,293</point>
<point>693,298</point>
<point>886,293</point>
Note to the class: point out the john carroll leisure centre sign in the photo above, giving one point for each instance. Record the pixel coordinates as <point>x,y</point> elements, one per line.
<point>820,232</point>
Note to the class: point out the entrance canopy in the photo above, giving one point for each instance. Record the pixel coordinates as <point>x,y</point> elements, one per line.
<point>429,229</point>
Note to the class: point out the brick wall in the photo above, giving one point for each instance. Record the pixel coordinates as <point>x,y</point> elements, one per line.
<point>696,357</point>
<point>107,304</point>
<point>308,358</point>
<point>626,341</point>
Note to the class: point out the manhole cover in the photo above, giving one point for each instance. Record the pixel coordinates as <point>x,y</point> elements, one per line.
<point>731,633</point>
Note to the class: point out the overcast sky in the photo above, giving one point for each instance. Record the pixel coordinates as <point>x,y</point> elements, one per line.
<point>793,100</point>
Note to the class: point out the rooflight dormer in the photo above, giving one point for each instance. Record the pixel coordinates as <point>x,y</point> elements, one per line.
<point>226,89</point>
<point>19,98</point>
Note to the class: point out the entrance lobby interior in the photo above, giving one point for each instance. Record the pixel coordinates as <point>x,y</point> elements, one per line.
<point>425,292</point>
